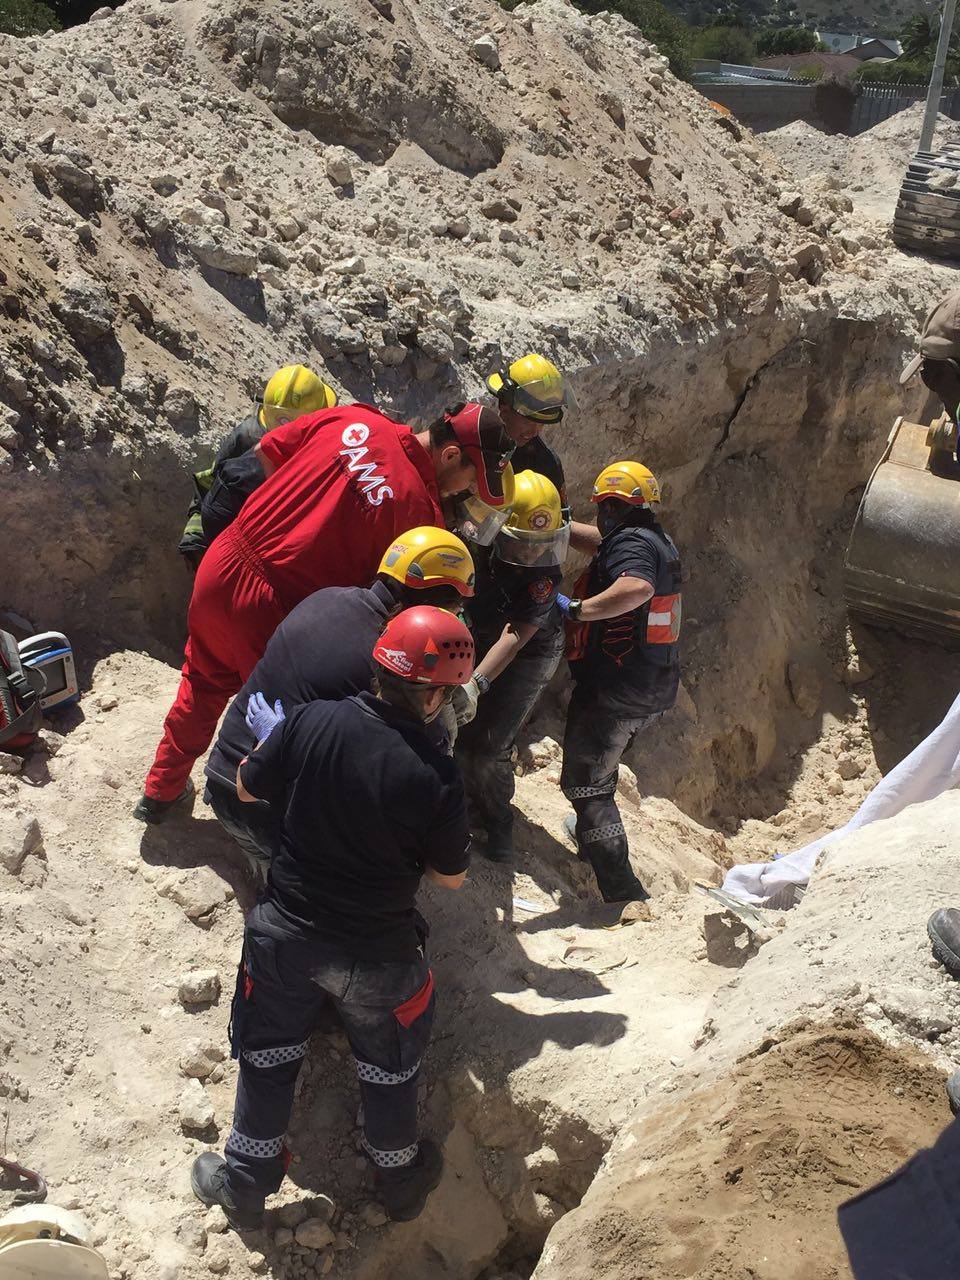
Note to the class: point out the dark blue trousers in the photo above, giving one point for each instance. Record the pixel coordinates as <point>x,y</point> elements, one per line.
<point>284,982</point>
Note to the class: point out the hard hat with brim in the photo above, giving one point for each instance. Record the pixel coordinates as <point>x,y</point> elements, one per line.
<point>939,337</point>
<point>480,433</point>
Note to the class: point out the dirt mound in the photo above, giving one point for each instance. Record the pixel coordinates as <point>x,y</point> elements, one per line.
<point>869,167</point>
<point>744,1178</point>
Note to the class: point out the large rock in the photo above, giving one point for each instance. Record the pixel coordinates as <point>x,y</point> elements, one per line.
<point>201,986</point>
<point>196,1109</point>
<point>223,254</point>
<point>20,836</point>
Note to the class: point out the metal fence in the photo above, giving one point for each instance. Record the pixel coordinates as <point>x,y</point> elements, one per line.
<point>877,102</point>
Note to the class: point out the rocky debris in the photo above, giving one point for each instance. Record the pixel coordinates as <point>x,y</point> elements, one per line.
<point>338,167</point>
<point>195,1108</point>
<point>486,50</point>
<point>201,1058</point>
<point>805,687</point>
<point>10,764</point>
<point>198,891</point>
<point>315,1233</point>
<point>20,838</point>
<point>201,986</point>
<point>849,766</point>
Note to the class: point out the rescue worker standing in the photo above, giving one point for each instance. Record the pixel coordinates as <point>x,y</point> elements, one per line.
<point>370,807</point>
<point>938,363</point>
<point>518,631</point>
<point>622,649</point>
<point>341,485</point>
<point>323,649</point>
<point>220,490</point>
<point>532,394</point>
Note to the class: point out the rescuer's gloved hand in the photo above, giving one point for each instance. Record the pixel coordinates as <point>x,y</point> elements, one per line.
<point>261,720</point>
<point>466,696</point>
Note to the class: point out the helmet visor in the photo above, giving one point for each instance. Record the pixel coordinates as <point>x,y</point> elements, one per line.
<point>476,521</point>
<point>542,400</point>
<point>544,550</point>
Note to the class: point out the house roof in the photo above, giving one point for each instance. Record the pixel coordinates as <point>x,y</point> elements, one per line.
<point>835,66</point>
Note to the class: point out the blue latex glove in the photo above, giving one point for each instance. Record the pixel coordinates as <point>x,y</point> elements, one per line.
<point>564,603</point>
<point>261,721</point>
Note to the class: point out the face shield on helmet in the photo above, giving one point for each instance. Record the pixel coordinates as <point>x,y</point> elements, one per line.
<point>535,536</point>
<point>476,520</point>
<point>532,550</point>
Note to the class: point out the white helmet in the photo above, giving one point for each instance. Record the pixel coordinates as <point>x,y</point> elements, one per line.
<point>44,1242</point>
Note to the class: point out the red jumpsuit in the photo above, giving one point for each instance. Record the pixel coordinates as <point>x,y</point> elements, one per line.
<point>348,481</point>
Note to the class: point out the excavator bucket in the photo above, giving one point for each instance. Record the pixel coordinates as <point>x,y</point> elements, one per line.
<point>902,567</point>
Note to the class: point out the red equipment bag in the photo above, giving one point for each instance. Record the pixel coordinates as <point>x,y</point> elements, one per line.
<point>20,690</point>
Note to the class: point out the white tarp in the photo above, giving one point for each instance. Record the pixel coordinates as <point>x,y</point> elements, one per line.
<point>930,769</point>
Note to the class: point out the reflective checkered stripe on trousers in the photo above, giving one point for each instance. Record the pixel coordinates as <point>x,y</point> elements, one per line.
<point>587,793</point>
<point>376,1075</point>
<point>255,1148</point>
<point>275,1057</point>
<point>610,831</point>
<point>391,1159</point>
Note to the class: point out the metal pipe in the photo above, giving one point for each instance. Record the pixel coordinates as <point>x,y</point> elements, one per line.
<point>936,76</point>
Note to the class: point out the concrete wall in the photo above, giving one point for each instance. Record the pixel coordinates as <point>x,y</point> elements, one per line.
<point>765,106</point>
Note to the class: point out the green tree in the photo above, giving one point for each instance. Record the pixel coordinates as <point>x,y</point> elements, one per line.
<point>727,44</point>
<point>26,18</point>
<point>918,37</point>
<point>670,34</point>
<point>773,41</point>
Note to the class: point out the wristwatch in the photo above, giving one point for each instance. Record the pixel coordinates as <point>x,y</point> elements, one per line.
<point>573,610</point>
<point>482,683</point>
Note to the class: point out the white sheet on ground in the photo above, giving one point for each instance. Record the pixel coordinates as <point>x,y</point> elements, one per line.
<point>931,768</point>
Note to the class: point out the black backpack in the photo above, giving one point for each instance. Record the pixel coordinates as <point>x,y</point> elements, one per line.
<point>21,689</point>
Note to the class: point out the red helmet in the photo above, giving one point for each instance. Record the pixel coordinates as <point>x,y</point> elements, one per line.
<point>426,645</point>
<point>481,434</point>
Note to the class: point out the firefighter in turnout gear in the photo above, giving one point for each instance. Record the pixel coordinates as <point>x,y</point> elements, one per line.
<point>518,631</point>
<point>221,490</point>
<point>622,645</point>
<point>370,806</point>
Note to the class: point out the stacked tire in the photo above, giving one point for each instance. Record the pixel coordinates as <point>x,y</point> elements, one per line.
<point>927,216</point>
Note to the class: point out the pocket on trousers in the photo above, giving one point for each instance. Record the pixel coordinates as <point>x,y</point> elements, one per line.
<point>408,1012</point>
<point>239,1007</point>
<point>413,1020</point>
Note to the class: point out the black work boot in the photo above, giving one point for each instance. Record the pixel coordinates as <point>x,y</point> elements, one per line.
<point>208,1177</point>
<point>499,844</point>
<point>155,811</point>
<point>943,929</point>
<point>403,1192</point>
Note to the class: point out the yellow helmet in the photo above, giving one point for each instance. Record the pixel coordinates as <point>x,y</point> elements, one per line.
<point>533,387</point>
<point>630,482</point>
<point>429,557</point>
<point>292,391</point>
<point>536,504</point>
<point>536,534</point>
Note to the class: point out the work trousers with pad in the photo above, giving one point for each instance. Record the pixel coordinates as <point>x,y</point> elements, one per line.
<point>284,982</point>
<point>254,826</point>
<point>485,746</point>
<point>233,613</point>
<point>593,745</point>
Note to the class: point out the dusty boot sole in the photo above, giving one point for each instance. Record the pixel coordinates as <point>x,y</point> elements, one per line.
<point>942,951</point>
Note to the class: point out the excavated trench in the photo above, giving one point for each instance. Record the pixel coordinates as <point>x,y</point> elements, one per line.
<point>764,440</point>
